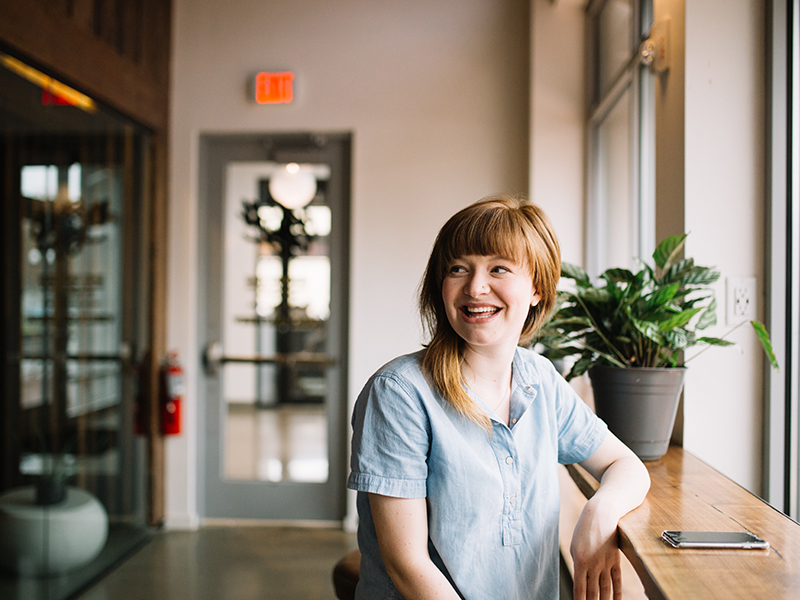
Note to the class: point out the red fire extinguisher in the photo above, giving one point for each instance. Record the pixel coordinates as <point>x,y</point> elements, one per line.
<point>173,388</point>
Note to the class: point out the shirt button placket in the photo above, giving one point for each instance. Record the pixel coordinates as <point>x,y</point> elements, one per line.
<point>511,486</point>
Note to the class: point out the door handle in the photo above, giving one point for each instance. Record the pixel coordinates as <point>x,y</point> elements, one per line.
<point>214,358</point>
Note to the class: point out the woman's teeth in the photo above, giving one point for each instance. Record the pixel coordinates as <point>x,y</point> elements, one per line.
<point>483,311</point>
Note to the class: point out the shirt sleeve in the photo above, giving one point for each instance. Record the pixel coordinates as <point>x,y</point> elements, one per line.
<point>580,430</point>
<point>391,440</point>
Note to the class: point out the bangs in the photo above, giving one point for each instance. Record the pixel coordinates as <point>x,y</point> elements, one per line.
<point>493,231</point>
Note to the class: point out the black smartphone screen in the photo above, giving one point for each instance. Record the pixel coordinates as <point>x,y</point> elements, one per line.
<point>714,539</point>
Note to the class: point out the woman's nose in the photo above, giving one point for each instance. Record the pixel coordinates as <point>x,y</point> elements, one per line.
<point>476,285</point>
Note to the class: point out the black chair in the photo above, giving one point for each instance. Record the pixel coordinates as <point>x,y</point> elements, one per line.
<point>345,575</point>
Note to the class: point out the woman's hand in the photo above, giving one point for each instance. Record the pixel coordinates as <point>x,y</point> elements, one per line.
<point>624,482</point>
<point>596,556</point>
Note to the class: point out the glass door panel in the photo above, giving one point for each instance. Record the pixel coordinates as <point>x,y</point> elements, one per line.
<point>275,309</point>
<point>275,220</point>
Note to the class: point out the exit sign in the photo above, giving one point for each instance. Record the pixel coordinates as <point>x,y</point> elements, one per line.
<point>274,88</point>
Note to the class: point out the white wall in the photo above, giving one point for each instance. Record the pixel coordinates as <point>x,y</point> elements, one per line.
<point>436,96</point>
<point>725,170</point>
<point>557,119</point>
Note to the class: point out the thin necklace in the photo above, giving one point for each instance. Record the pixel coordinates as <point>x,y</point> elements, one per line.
<point>507,393</point>
<point>503,399</point>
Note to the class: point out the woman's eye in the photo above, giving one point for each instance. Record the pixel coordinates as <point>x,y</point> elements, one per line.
<point>456,269</point>
<point>500,269</point>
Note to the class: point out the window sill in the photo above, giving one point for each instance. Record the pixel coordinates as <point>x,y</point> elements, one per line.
<point>688,494</point>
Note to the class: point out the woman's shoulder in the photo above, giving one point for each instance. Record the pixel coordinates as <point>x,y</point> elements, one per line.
<point>405,369</point>
<point>399,386</point>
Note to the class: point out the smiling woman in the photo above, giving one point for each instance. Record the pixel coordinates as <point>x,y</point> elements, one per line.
<point>455,447</point>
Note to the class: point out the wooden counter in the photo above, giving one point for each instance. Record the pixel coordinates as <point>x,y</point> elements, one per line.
<point>687,494</point>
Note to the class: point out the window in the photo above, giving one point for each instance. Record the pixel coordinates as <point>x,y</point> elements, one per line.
<point>621,125</point>
<point>782,415</point>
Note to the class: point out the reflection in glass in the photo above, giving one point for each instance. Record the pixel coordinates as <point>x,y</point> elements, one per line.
<point>275,309</point>
<point>75,318</point>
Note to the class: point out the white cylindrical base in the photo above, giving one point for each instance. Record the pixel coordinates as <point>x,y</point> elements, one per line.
<point>49,540</point>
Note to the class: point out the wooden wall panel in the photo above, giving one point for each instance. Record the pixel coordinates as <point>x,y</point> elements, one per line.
<point>82,14</point>
<point>109,59</point>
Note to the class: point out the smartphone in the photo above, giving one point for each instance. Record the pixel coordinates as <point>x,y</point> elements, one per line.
<point>714,539</point>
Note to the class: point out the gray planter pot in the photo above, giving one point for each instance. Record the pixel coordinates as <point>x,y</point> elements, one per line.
<point>638,405</point>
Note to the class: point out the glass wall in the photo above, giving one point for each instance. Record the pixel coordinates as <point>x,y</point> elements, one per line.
<point>73,180</point>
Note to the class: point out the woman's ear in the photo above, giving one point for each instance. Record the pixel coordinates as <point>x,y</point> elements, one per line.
<point>535,299</point>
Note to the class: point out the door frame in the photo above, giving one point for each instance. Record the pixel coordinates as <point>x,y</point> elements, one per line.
<point>293,501</point>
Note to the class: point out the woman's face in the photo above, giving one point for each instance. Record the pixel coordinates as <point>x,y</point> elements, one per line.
<point>487,299</point>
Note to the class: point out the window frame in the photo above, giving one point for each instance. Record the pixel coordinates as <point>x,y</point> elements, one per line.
<point>781,471</point>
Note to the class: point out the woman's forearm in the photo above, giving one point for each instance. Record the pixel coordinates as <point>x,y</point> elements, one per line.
<point>623,487</point>
<point>624,482</point>
<point>421,580</point>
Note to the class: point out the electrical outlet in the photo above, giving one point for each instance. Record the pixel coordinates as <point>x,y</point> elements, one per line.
<point>741,300</point>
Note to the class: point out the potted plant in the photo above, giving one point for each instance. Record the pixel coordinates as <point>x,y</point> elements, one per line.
<point>629,332</point>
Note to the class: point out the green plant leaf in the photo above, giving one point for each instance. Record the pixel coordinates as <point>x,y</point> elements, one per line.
<point>679,320</point>
<point>763,337</point>
<point>662,295</point>
<point>571,271</point>
<point>668,251</point>
<point>715,341</point>
<point>648,329</point>
<point>580,367</point>
<point>619,276</point>
<point>596,295</point>
<point>701,276</point>
<point>646,274</point>
<point>709,316</point>
<point>677,339</point>
<point>678,271</point>
<point>563,351</point>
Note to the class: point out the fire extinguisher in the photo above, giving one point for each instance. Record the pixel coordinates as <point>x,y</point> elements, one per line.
<point>173,388</point>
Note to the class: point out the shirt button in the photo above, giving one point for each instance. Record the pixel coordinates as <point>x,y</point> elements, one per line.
<point>509,460</point>
<point>513,420</point>
<point>513,500</point>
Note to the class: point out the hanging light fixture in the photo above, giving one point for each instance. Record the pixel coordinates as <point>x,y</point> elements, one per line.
<point>292,187</point>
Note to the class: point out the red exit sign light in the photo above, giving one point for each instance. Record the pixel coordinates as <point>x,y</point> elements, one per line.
<point>274,88</point>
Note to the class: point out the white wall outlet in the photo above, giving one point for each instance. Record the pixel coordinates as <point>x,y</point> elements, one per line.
<point>741,300</point>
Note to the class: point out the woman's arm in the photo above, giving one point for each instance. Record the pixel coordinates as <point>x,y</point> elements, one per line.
<point>402,528</point>
<point>624,482</point>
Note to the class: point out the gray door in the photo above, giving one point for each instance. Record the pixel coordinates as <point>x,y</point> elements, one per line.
<point>273,295</point>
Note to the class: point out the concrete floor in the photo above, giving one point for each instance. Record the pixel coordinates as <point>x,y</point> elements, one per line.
<point>229,563</point>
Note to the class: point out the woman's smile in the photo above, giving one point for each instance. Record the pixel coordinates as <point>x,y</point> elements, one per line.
<point>480,312</point>
<point>487,300</point>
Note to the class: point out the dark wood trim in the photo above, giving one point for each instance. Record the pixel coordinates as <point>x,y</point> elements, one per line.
<point>136,85</point>
<point>158,312</point>
<point>10,413</point>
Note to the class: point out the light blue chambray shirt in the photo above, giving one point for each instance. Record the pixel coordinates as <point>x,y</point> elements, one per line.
<point>493,500</point>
